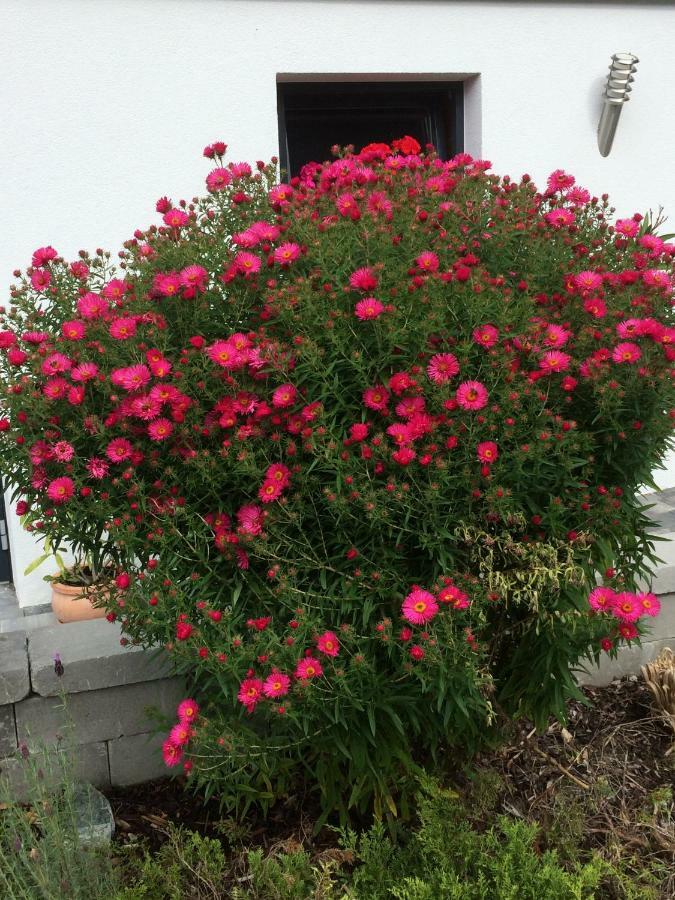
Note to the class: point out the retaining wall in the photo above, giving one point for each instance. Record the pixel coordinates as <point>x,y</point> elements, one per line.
<point>108,690</point>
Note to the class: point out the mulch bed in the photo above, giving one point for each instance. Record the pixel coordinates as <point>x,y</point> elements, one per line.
<point>603,767</point>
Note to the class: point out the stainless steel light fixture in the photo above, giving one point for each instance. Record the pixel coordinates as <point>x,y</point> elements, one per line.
<point>615,95</point>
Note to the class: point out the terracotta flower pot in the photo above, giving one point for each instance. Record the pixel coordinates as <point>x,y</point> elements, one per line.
<point>71,604</point>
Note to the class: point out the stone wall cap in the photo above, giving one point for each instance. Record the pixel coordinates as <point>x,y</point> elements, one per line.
<point>14,681</point>
<point>92,658</point>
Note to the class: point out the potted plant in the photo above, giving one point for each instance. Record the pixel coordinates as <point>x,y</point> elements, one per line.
<point>79,590</point>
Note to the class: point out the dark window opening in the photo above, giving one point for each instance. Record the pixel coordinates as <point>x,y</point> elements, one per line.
<point>315,116</point>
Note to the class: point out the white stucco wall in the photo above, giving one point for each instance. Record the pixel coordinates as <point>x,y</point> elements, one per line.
<point>106,104</point>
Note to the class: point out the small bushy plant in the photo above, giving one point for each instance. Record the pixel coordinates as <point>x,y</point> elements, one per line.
<point>359,447</point>
<point>42,853</point>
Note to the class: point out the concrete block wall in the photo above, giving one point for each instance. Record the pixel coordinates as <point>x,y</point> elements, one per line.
<point>100,706</point>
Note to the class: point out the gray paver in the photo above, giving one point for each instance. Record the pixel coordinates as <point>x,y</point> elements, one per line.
<point>92,659</point>
<point>97,715</point>
<point>14,681</point>
<point>7,730</point>
<point>136,759</point>
<point>90,763</point>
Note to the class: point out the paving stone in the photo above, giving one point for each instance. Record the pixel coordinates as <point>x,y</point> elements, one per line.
<point>97,715</point>
<point>36,609</point>
<point>93,815</point>
<point>7,730</point>
<point>136,759</point>
<point>14,682</point>
<point>89,763</point>
<point>27,623</point>
<point>92,659</point>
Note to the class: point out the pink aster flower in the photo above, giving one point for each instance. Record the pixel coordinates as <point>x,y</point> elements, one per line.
<point>92,306</point>
<point>577,196</point>
<point>404,456</point>
<point>286,253</point>
<point>601,599</point>
<point>280,193</point>
<point>160,429</point>
<point>55,388</point>
<point>427,261</point>
<point>554,361</point>
<point>269,491</point>
<point>97,467</point>
<point>133,378</point>
<point>486,335</point>
<point>368,308</point>
<point>627,227</point>
<point>60,490</point>
<point>308,668</point>
<point>218,180</point>
<point>123,328</point>
<point>85,371</point>
<point>119,450</point>
<point>43,255</point>
<point>180,734</point>
<point>588,281</point>
<point>559,180</point>
<point>63,451</point>
<point>73,330</point>
<point>35,337</point>
<point>55,364</point>
<point>249,692</point>
<point>115,289</point>
<point>359,431</point>
<point>419,607</point>
<point>167,284</point>
<point>487,452</point>
<point>194,277</point>
<point>400,434</point>
<point>265,231</point>
<point>276,685</point>
<point>247,264</point>
<point>442,367</point>
<point>453,596</point>
<point>188,710</point>
<point>376,398</point>
<point>175,218</point>
<point>626,353</point>
<point>328,643</point>
<point>41,279</point>
<point>225,354</point>
<point>172,753</point>
<point>559,218</point>
<point>409,407</point>
<point>363,279</point>
<point>348,207</point>
<point>556,336</point>
<point>626,607</point>
<point>628,631</point>
<point>278,473</point>
<point>250,519</point>
<point>284,396</point>
<point>650,604</point>
<point>656,278</point>
<point>471,395</point>
<point>596,306</point>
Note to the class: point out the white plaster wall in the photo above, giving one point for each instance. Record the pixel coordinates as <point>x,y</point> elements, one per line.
<point>105,105</point>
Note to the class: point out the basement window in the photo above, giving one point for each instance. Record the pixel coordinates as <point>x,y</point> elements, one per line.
<point>313,116</point>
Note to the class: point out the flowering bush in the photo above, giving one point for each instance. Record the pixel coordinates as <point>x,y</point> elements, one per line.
<point>364,448</point>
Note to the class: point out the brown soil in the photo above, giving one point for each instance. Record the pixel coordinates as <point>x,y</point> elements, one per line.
<point>604,781</point>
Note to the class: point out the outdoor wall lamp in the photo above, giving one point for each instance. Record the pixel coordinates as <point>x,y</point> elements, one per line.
<point>614,96</point>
